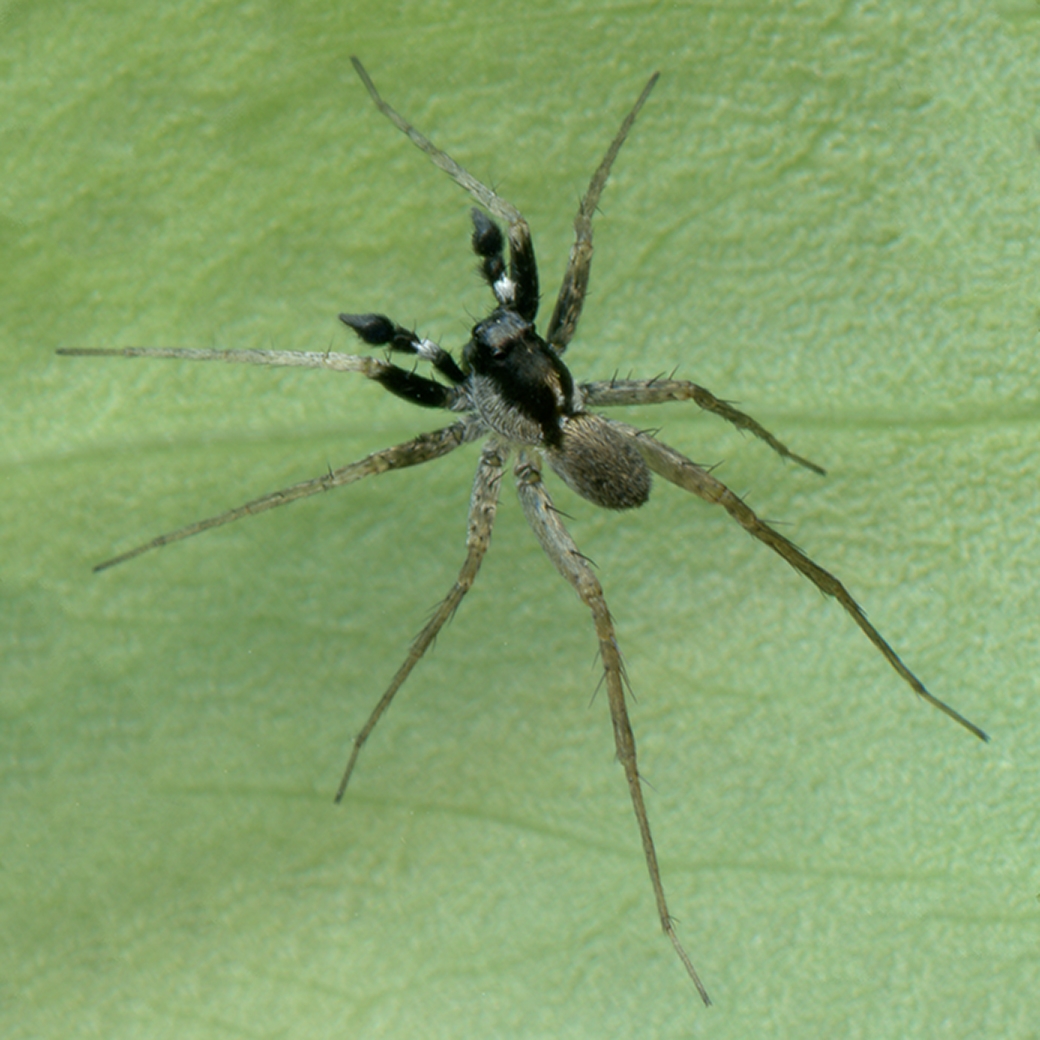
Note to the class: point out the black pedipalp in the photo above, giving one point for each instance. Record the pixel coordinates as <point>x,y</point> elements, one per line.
<point>489,244</point>
<point>378,330</point>
<point>487,235</point>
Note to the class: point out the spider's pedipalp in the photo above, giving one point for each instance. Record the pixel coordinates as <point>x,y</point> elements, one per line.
<point>487,238</point>
<point>623,392</point>
<point>424,448</point>
<point>684,473</point>
<point>567,558</point>
<point>488,244</point>
<point>571,298</point>
<point>377,330</point>
<point>483,504</point>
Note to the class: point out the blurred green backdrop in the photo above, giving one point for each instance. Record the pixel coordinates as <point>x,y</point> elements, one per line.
<point>827,212</point>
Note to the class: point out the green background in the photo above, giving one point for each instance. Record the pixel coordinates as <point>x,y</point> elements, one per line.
<point>827,212</point>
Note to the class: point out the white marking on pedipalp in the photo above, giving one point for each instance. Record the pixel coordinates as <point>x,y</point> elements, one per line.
<point>504,289</point>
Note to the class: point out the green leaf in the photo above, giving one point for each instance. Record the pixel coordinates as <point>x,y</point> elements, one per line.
<point>826,213</point>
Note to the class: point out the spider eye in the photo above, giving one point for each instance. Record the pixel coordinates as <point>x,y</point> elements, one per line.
<point>495,337</point>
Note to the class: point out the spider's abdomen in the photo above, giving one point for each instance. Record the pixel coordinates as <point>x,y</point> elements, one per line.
<point>600,463</point>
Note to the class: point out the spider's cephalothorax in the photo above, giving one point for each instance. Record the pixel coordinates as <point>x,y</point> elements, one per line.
<point>513,390</point>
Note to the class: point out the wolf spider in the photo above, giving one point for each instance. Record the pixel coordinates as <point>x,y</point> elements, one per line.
<point>513,390</point>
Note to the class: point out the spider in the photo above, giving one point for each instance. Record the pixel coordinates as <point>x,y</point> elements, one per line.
<point>512,390</point>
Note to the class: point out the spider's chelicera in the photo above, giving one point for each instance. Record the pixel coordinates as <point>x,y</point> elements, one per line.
<point>512,390</point>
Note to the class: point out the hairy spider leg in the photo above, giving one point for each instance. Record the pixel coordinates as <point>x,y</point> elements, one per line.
<point>569,561</point>
<point>622,392</point>
<point>523,271</point>
<point>686,474</point>
<point>571,299</point>
<point>482,506</point>
<point>399,381</point>
<point>424,448</point>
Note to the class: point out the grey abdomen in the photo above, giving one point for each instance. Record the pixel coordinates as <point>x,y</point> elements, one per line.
<point>601,463</point>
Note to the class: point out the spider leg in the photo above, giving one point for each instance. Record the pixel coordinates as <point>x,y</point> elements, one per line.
<point>482,506</point>
<point>398,381</point>
<point>620,392</point>
<point>568,560</point>
<point>424,448</point>
<point>571,299</point>
<point>523,270</point>
<point>675,467</point>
